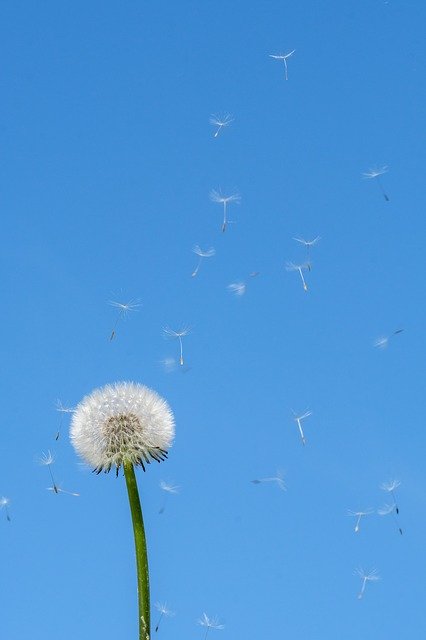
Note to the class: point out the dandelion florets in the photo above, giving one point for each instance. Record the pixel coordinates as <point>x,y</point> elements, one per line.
<point>122,422</point>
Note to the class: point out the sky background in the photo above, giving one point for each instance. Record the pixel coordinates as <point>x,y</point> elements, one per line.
<point>107,160</point>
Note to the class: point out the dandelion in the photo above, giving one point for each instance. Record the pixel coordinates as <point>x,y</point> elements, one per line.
<point>237,288</point>
<point>371,576</point>
<point>217,196</point>
<point>181,333</point>
<point>46,460</point>
<point>164,612</point>
<point>209,253</point>
<point>169,488</point>
<point>290,266</point>
<point>4,504</point>
<point>124,309</point>
<point>375,174</point>
<point>220,122</point>
<point>278,479</point>
<point>209,623</point>
<point>388,509</point>
<point>358,515</point>
<point>284,57</point>
<point>298,419</point>
<point>383,341</point>
<point>125,424</point>
<point>61,409</point>
<point>391,486</point>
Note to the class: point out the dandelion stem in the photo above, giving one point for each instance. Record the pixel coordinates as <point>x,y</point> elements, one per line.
<point>141,551</point>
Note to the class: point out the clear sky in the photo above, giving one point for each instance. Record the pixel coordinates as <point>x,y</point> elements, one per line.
<point>107,161</point>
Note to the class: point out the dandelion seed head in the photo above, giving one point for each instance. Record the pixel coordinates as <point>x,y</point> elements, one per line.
<point>212,623</point>
<point>360,513</point>
<point>169,364</point>
<point>371,575</point>
<point>4,502</point>
<point>221,120</point>
<point>122,422</point>
<point>281,56</point>
<point>47,458</point>
<point>163,609</point>
<point>375,172</point>
<point>386,509</point>
<point>290,266</point>
<point>204,254</point>
<point>308,243</point>
<point>62,409</point>
<point>169,487</point>
<point>180,333</point>
<point>126,307</point>
<point>390,485</point>
<point>237,288</point>
<point>217,196</point>
<point>382,342</point>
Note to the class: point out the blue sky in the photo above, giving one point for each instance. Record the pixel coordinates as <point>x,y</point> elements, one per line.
<point>107,162</point>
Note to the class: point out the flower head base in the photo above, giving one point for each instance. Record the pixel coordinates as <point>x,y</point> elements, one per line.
<point>123,422</point>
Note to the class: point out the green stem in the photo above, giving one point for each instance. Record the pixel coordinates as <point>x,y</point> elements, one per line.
<point>141,552</point>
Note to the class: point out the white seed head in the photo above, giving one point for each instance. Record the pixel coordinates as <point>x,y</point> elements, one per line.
<point>180,333</point>
<point>212,623</point>
<point>237,288</point>
<point>390,485</point>
<point>47,458</point>
<point>386,509</point>
<point>169,487</point>
<point>382,342</point>
<point>375,172</point>
<point>208,253</point>
<point>122,422</point>
<point>218,196</point>
<point>371,575</point>
<point>163,609</point>
<point>4,502</point>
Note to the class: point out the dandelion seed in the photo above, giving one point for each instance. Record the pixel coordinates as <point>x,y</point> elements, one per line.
<point>388,509</point>
<point>284,57</point>
<point>359,515</point>
<point>308,244</point>
<point>220,122</point>
<point>164,612</point>
<point>179,335</point>
<point>217,196</point>
<point>209,623</point>
<point>298,419</point>
<point>383,341</point>
<point>254,274</point>
<point>371,576</point>
<point>61,409</point>
<point>168,488</point>
<point>46,460</point>
<point>209,253</point>
<point>375,174</point>
<point>237,288</point>
<point>168,364</point>
<point>290,266</point>
<point>126,424</point>
<point>58,489</point>
<point>278,479</point>
<point>4,504</point>
<point>391,486</point>
<point>123,309</point>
